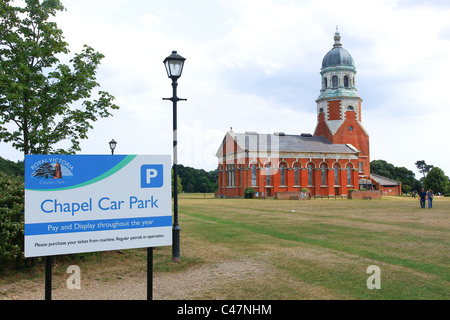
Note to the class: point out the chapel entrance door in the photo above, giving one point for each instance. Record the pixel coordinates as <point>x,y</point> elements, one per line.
<point>337,192</point>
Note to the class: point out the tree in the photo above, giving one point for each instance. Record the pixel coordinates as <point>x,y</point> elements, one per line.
<point>407,178</point>
<point>11,168</point>
<point>11,219</point>
<point>423,167</point>
<point>42,101</point>
<point>436,180</point>
<point>198,180</point>
<point>402,174</point>
<point>382,168</point>
<point>44,171</point>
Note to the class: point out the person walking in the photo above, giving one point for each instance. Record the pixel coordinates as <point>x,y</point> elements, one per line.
<point>430,196</point>
<point>422,196</point>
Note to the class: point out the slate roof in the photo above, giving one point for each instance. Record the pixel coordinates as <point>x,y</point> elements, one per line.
<point>252,141</point>
<point>383,181</point>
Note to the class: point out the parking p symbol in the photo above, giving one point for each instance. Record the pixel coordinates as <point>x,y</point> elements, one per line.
<point>152,176</point>
<point>151,173</point>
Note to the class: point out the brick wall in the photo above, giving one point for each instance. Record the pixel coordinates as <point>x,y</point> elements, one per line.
<point>364,194</point>
<point>334,110</point>
<point>291,195</point>
<point>243,178</point>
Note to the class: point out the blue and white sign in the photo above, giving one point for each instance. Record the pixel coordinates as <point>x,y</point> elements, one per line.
<point>87,203</point>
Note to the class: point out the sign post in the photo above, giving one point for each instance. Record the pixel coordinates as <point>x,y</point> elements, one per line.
<point>89,203</point>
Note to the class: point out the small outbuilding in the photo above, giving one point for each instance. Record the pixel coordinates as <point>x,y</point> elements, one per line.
<point>388,187</point>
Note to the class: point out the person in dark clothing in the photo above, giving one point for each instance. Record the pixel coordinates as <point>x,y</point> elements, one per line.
<point>422,196</point>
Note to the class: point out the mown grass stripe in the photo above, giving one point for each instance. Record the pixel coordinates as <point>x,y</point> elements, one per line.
<point>433,269</point>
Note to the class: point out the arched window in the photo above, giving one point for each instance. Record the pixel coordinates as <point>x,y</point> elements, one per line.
<point>268,175</point>
<point>350,108</point>
<point>282,174</point>
<point>231,174</point>
<point>346,82</point>
<point>325,84</point>
<point>349,175</point>
<point>310,175</point>
<point>336,175</point>
<point>253,174</point>
<point>350,128</point>
<point>323,170</point>
<point>296,175</point>
<point>335,81</point>
<point>321,110</point>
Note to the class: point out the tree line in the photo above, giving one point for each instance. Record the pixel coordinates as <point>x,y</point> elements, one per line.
<point>198,180</point>
<point>11,168</point>
<point>433,177</point>
<point>193,180</point>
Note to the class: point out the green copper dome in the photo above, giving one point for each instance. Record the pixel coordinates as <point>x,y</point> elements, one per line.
<point>337,56</point>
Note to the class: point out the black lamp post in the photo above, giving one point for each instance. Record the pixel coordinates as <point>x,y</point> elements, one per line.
<point>174,67</point>
<point>112,146</point>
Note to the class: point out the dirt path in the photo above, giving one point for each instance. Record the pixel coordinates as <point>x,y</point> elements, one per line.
<point>186,285</point>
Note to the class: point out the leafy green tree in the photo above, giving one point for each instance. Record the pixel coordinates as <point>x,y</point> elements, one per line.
<point>11,168</point>
<point>436,180</point>
<point>423,167</point>
<point>203,184</point>
<point>42,100</point>
<point>382,168</point>
<point>402,174</point>
<point>11,218</point>
<point>198,180</point>
<point>447,189</point>
<point>407,178</point>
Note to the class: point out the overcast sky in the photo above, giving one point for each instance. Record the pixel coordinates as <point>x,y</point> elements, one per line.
<point>254,65</point>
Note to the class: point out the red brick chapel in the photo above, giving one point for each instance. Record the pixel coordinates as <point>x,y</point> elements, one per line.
<point>328,163</point>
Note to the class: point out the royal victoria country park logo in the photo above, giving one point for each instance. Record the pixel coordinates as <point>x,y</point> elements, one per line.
<point>64,172</point>
<point>52,170</point>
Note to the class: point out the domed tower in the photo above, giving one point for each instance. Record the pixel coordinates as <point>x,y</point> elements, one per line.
<point>339,105</point>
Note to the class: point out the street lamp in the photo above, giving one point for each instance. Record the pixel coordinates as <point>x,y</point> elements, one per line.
<point>112,145</point>
<point>174,67</point>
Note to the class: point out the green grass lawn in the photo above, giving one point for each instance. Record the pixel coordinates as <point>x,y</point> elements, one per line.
<point>285,249</point>
<point>317,249</point>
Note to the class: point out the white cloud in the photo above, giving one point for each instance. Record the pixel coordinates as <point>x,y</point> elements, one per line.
<point>150,20</point>
<point>254,65</point>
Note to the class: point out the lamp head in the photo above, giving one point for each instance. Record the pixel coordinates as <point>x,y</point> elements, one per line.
<point>112,144</point>
<point>174,65</point>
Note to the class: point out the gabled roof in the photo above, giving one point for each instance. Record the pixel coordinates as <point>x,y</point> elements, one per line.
<point>280,142</point>
<point>383,181</point>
